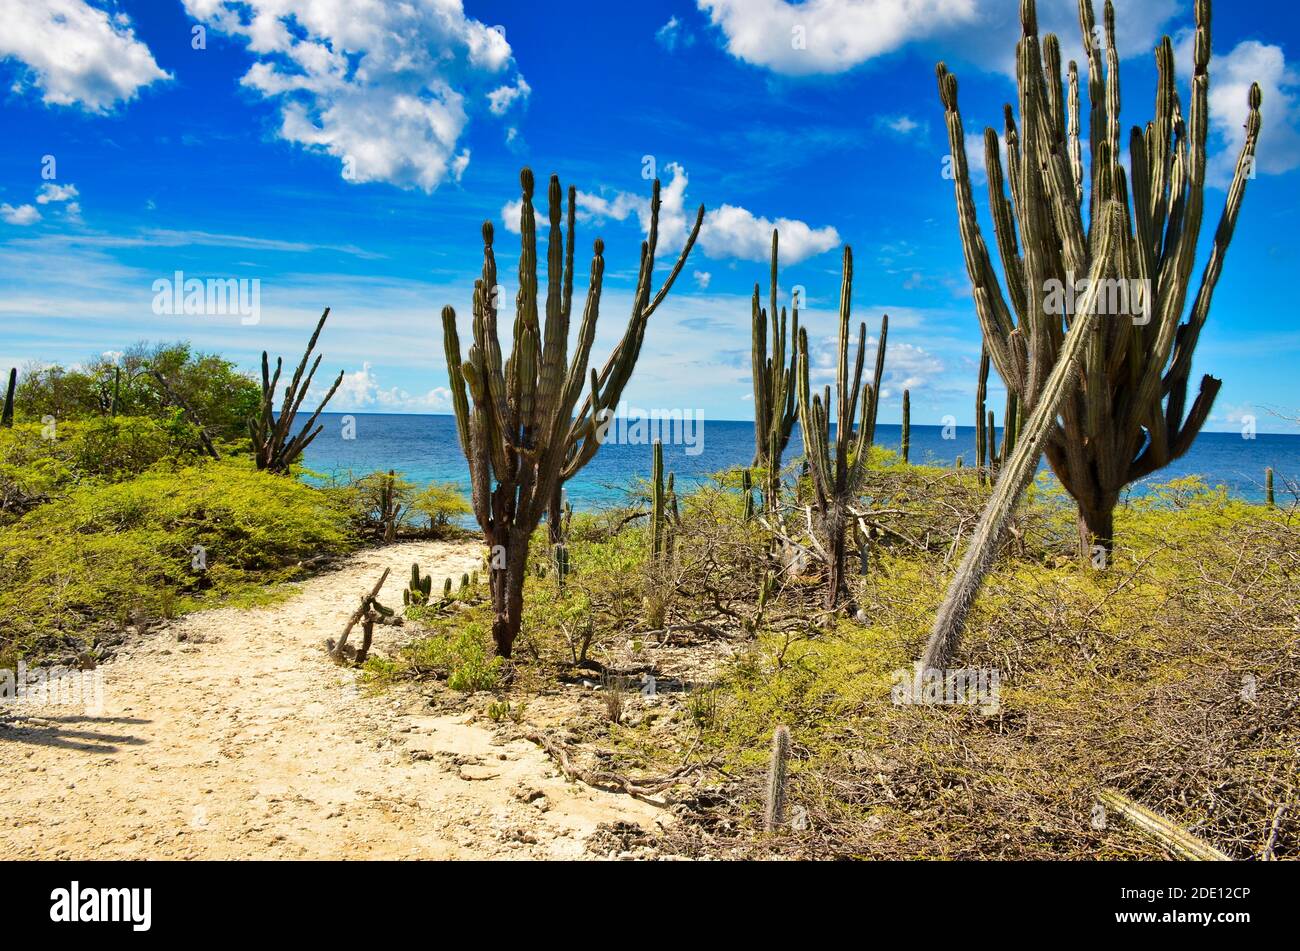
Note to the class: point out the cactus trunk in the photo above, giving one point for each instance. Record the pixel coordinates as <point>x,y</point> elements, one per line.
<point>775,409</point>
<point>1128,415</point>
<point>515,417</point>
<point>1122,414</point>
<point>907,426</point>
<point>7,419</point>
<point>839,464</point>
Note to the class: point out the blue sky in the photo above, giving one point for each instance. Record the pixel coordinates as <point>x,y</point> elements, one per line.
<point>345,154</point>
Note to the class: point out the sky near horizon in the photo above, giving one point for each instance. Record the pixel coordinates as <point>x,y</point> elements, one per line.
<point>346,154</point>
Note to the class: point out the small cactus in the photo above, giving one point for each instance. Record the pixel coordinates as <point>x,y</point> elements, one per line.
<point>419,589</point>
<point>774,816</point>
<point>1268,487</point>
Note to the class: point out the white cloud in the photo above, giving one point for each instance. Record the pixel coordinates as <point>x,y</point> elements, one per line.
<point>907,366</point>
<point>361,390</point>
<point>702,279</point>
<point>827,36</point>
<point>673,34</point>
<point>501,99</point>
<point>731,232</point>
<point>833,36</point>
<point>728,232</point>
<point>21,215</point>
<point>50,192</point>
<point>1230,79</point>
<point>75,53</point>
<point>381,86</point>
<point>902,125</point>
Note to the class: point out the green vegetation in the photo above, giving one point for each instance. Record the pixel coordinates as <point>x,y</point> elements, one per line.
<point>109,551</point>
<point>220,395</point>
<point>1172,675</point>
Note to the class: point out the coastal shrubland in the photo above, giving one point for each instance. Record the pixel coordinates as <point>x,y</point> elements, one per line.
<point>107,555</point>
<point>1171,675</point>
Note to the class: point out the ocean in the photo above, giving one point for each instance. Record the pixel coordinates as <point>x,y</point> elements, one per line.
<point>425,449</point>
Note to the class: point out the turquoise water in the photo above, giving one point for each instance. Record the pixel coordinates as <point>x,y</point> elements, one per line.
<point>425,449</point>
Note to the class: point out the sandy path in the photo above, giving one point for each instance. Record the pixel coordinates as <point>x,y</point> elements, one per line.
<point>231,735</point>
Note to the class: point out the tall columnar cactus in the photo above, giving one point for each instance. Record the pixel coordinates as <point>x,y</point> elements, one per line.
<point>1125,414</point>
<point>273,449</point>
<point>775,409</point>
<point>838,463</point>
<point>778,764</point>
<point>658,501</point>
<point>7,419</point>
<point>520,434</point>
<point>907,426</point>
<point>1269,497</point>
<point>981,415</point>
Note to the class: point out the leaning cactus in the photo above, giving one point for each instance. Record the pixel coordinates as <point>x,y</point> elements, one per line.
<point>273,449</point>
<point>1125,417</point>
<point>839,463</point>
<point>7,419</point>
<point>775,409</point>
<point>521,435</point>
<point>419,589</point>
<point>1094,396</point>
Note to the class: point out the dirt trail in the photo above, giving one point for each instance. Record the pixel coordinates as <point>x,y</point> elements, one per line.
<point>231,735</point>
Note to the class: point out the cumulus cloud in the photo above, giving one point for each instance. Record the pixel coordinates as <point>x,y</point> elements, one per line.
<point>908,367</point>
<point>702,279</point>
<point>827,36</point>
<point>20,215</point>
<point>1230,79</point>
<point>501,99</point>
<point>75,53</point>
<point>50,192</point>
<point>361,390</point>
<point>834,36</point>
<point>383,87</point>
<point>728,232</point>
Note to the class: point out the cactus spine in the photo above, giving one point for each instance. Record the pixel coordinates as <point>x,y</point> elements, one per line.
<point>273,449</point>
<point>1126,416</point>
<point>520,434</point>
<point>775,409</point>
<point>7,419</point>
<point>907,425</point>
<point>839,463</point>
<point>774,811</point>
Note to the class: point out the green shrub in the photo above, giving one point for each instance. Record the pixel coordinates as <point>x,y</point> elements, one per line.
<point>106,552</point>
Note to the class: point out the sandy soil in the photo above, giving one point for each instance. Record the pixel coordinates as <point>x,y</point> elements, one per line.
<point>230,734</point>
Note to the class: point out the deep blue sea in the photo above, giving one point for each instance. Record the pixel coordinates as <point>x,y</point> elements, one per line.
<point>425,449</point>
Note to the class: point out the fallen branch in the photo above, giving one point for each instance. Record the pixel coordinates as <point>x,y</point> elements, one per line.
<point>367,611</point>
<point>1156,827</point>
<point>641,789</point>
